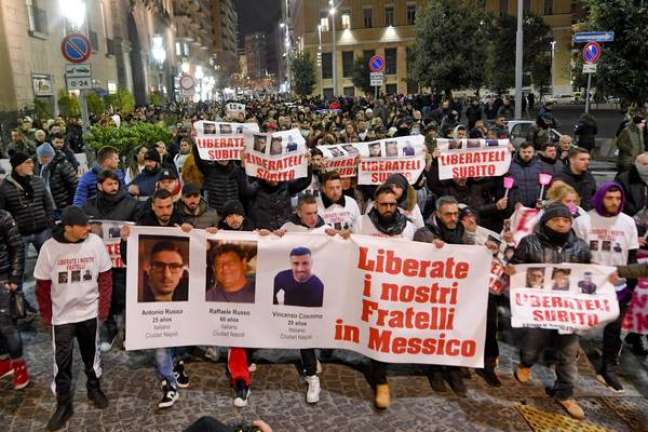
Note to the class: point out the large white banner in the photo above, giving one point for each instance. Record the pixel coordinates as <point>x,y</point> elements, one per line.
<point>279,156</point>
<point>466,158</point>
<point>240,289</point>
<point>342,158</point>
<point>221,141</point>
<point>381,159</point>
<point>110,233</point>
<point>565,297</point>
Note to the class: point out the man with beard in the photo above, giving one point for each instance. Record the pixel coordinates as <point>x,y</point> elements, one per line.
<point>444,227</point>
<point>194,208</point>
<point>58,142</point>
<point>181,157</point>
<point>144,185</point>
<point>553,242</point>
<point>112,203</point>
<point>576,174</point>
<point>107,159</point>
<point>525,170</point>
<point>233,218</point>
<point>607,224</point>
<point>339,211</point>
<point>548,160</point>
<point>384,220</point>
<point>74,307</point>
<point>58,174</point>
<point>162,213</point>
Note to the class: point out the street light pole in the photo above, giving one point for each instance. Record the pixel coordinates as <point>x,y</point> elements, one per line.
<point>319,58</point>
<point>553,57</point>
<point>333,53</point>
<point>519,39</point>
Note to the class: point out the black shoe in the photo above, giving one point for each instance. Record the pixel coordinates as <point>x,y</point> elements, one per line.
<point>455,379</point>
<point>241,393</point>
<point>169,395</point>
<point>489,375</point>
<point>610,379</point>
<point>62,414</point>
<point>98,397</point>
<point>639,344</point>
<point>180,375</point>
<point>436,382</point>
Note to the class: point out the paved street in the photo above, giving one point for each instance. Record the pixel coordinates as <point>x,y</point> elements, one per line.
<point>278,397</point>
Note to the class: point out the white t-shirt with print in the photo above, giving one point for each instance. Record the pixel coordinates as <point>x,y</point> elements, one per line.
<point>73,269</point>
<point>338,217</point>
<point>609,238</point>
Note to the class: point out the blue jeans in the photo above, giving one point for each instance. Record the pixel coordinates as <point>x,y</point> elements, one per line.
<point>165,360</point>
<point>36,239</point>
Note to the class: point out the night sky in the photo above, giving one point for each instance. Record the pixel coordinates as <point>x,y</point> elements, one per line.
<point>257,15</point>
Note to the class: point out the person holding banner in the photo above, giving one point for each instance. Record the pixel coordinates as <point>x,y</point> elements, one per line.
<point>162,213</point>
<point>613,241</point>
<point>233,218</point>
<point>194,208</point>
<point>306,218</point>
<point>74,307</point>
<point>444,227</point>
<point>339,211</point>
<point>112,203</point>
<point>553,242</point>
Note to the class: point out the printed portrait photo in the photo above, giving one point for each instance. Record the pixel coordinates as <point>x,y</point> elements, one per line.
<point>454,145</point>
<point>260,143</point>
<point>298,286</point>
<point>114,232</point>
<point>209,129</point>
<point>291,145</point>
<point>231,271</point>
<point>560,279</point>
<point>594,245</point>
<point>87,275</point>
<point>96,228</point>
<point>163,269</point>
<point>76,276</point>
<point>239,130</point>
<point>391,149</point>
<point>473,144</point>
<point>408,150</point>
<point>375,150</point>
<point>275,146</point>
<point>492,143</point>
<point>606,246</point>
<point>350,149</point>
<point>63,277</point>
<point>587,286</point>
<point>335,152</point>
<point>535,277</point>
<point>225,129</point>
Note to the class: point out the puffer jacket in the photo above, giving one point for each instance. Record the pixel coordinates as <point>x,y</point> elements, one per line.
<point>527,184</point>
<point>222,182</point>
<point>537,248</point>
<point>33,215</point>
<point>63,180</point>
<point>636,191</point>
<point>12,250</point>
<point>121,207</point>
<point>206,217</point>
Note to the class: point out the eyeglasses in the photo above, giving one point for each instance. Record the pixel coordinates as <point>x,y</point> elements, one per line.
<point>160,267</point>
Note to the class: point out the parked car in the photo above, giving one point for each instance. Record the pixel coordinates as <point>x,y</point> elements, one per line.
<point>518,130</point>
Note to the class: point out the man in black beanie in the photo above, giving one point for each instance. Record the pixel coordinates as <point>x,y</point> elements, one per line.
<point>143,185</point>
<point>25,196</point>
<point>233,217</point>
<point>554,242</point>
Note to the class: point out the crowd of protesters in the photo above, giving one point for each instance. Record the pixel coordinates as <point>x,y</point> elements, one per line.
<point>47,204</point>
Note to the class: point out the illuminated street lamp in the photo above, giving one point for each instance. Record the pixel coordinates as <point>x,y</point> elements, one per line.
<point>74,12</point>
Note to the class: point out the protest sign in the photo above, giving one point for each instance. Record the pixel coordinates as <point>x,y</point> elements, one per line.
<point>381,159</point>
<point>110,233</point>
<point>565,297</point>
<point>342,158</point>
<point>635,319</point>
<point>522,222</point>
<point>279,156</point>
<point>467,158</point>
<point>235,110</point>
<point>221,141</point>
<point>245,290</point>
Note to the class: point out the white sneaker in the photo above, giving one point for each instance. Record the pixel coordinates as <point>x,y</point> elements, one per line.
<point>313,392</point>
<point>105,347</point>
<point>212,353</point>
<point>319,367</point>
<point>252,367</point>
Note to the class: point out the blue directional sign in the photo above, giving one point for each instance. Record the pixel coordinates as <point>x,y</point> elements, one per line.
<point>76,48</point>
<point>602,36</point>
<point>376,63</point>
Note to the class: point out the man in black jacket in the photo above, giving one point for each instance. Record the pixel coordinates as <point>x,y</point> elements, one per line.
<point>554,242</point>
<point>24,196</point>
<point>112,203</point>
<point>576,174</point>
<point>59,176</point>
<point>635,186</point>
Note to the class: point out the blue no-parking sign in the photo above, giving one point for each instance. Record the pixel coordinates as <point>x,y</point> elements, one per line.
<point>76,48</point>
<point>376,63</point>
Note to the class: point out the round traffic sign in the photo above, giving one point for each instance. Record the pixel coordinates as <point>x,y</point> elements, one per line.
<point>76,48</point>
<point>376,63</point>
<point>592,52</point>
<point>187,82</point>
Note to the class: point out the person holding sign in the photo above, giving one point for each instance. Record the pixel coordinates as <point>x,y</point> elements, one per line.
<point>384,219</point>
<point>339,211</point>
<point>74,307</point>
<point>554,242</point>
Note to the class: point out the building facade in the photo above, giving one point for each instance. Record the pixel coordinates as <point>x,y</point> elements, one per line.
<point>225,20</point>
<point>387,28</point>
<point>256,47</point>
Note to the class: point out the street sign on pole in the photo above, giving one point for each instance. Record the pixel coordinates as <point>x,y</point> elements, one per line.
<point>187,85</point>
<point>589,68</point>
<point>376,79</point>
<point>600,36</point>
<point>78,76</point>
<point>76,48</point>
<point>376,63</point>
<point>592,52</point>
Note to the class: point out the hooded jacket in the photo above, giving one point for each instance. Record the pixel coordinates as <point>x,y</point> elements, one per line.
<point>527,184</point>
<point>597,199</point>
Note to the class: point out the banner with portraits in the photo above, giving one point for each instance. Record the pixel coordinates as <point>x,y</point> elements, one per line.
<point>241,289</point>
<point>221,141</point>
<point>564,297</point>
<point>110,232</point>
<point>342,158</point>
<point>465,158</point>
<point>386,157</point>
<point>279,156</point>
<point>235,110</point>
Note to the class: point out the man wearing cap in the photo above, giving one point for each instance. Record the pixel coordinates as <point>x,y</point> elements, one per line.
<point>59,175</point>
<point>25,196</point>
<point>145,183</point>
<point>232,218</point>
<point>73,287</point>
<point>107,159</point>
<point>554,242</point>
<point>194,208</point>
